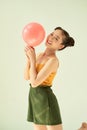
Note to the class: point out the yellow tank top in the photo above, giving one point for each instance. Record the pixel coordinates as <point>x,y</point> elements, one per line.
<point>50,78</point>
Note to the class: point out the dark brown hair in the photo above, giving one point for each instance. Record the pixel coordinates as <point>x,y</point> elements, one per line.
<point>67,41</point>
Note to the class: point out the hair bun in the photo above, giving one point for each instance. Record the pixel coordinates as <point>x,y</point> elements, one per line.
<point>71,41</point>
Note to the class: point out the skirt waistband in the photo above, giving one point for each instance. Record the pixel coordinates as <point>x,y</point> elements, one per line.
<point>41,86</point>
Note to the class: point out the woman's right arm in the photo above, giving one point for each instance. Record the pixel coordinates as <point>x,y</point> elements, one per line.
<point>26,71</point>
<point>27,67</point>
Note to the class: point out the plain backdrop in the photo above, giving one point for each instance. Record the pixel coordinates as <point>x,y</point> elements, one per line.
<point>70,84</point>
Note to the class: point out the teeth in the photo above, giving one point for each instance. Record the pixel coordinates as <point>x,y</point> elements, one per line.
<point>49,42</point>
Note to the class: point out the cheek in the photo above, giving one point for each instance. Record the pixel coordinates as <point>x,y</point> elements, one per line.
<point>60,41</point>
<point>47,38</point>
<point>57,44</point>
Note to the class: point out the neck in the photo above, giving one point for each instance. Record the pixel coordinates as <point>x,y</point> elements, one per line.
<point>49,52</point>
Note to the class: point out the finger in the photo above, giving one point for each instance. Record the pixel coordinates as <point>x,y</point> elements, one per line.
<point>29,46</point>
<point>27,56</point>
<point>32,47</point>
<point>26,48</point>
<point>25,53</point>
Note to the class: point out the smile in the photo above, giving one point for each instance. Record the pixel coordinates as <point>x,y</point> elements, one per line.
<point>48,42</point>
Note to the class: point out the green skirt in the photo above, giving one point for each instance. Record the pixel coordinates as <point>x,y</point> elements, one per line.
<point>43,107</point>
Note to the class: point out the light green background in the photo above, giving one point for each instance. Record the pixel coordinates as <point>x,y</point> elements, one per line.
<point>70,84</point>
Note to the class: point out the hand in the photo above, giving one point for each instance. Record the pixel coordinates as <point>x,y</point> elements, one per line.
<point>30,53</point>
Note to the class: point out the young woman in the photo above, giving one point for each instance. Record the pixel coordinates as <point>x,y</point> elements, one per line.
<point>43,106</point>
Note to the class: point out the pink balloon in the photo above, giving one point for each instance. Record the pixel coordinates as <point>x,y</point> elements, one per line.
<point>33,34</point>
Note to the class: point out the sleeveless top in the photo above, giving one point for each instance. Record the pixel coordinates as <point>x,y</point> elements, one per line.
<point>49,79</point>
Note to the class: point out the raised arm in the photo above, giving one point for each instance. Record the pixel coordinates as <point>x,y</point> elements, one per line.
<point>27,67</point>
<point>26,71</point>
<point>50,66</point>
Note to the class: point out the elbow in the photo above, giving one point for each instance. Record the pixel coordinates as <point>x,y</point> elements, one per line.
<point>26,78</point>
<point>34,84</point>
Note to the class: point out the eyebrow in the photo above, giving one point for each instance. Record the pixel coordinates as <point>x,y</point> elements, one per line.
<point>55,35</point>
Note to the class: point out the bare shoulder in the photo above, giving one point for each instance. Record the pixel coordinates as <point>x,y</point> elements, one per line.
<point>53,63</point>
<point>54,60</point>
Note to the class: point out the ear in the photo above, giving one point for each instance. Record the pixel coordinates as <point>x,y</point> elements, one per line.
<point>61,46</point>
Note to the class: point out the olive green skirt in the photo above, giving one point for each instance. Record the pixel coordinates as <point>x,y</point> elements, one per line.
<point>43,107</point>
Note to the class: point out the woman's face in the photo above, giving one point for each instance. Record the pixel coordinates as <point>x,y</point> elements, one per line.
<point>54,40</point>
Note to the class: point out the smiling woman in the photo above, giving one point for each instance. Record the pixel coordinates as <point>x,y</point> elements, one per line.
<point>69,84</point>
<point>43,107</point>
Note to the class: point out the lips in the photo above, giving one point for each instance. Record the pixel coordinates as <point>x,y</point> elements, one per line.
<point>49,42</point>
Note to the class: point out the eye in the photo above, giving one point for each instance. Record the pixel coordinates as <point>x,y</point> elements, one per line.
<point>56,39</point>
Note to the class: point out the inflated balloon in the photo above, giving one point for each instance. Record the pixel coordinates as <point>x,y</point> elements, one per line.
<point>33,34</point>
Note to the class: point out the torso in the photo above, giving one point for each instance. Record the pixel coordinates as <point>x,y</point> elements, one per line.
<point>42,59</point>
<point>40,63</point>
